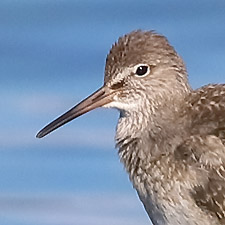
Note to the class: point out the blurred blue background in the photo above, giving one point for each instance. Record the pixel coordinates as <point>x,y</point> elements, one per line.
<point>52,54</point>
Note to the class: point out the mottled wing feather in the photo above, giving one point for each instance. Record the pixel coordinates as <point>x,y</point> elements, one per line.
<point>204,150</point>
<point>210,197</point>
<point>206,154</point>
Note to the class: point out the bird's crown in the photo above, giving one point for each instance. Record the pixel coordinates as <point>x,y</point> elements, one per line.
<point>139,48</point>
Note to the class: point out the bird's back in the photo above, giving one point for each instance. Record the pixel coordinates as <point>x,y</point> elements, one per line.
<point>204,149</point>
<point>206,111</point>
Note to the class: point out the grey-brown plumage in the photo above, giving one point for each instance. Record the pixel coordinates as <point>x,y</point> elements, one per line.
<point>171,138</point>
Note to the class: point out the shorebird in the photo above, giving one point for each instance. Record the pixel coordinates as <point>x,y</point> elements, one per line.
<point>170,138</point>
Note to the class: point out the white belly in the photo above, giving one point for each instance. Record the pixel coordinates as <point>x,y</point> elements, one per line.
<point>179,214</point>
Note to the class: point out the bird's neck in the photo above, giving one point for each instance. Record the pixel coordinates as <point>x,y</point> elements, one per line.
<point>141,142</point>
<point>145,150</point>
<point>144,138</point>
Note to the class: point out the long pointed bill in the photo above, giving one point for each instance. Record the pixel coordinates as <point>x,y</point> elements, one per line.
<point>99,98</point>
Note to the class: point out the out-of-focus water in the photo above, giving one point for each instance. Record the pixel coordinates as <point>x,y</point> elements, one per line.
<point>52,54</point>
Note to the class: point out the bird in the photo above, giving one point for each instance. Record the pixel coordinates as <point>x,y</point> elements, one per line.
<point>170,137</point>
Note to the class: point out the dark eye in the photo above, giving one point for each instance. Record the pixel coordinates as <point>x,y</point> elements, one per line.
<point>142,70</point>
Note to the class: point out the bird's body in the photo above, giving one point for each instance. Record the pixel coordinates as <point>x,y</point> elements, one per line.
<point>170,138</point>
<point>176,172</point>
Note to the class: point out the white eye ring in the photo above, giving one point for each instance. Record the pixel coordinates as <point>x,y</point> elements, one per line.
<point>142,70</point>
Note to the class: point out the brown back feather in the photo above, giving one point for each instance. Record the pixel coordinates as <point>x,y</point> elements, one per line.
<point>204,150</point>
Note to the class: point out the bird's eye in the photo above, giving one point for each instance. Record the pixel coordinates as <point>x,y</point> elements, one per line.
<point>142,70</point>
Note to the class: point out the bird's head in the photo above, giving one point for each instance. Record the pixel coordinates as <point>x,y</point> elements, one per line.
<point>142,71</point>
<point>142,68</point>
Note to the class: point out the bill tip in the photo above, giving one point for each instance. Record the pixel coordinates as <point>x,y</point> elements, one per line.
<point>39,135</point>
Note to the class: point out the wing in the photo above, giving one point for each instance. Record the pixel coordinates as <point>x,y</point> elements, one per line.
<point>207,155</point>
<point>204,149</point>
